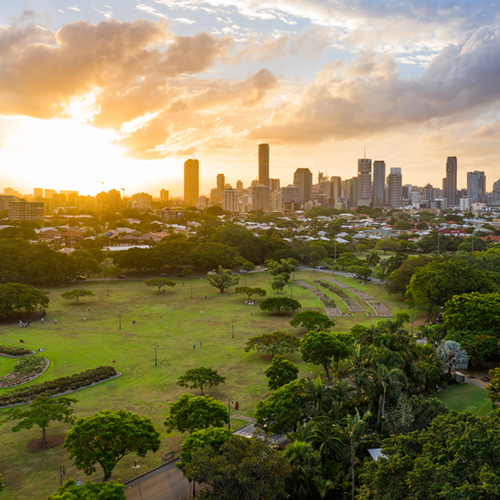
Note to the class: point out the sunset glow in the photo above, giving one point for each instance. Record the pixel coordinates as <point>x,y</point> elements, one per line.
<point>98,96</point>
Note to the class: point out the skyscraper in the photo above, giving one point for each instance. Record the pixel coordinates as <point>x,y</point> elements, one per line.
<point>264,164</point>
<point>335,189</point>
<point>476,186</point>
<point>221,185</point>
<point>364,182</point>
<point>303,179</point>
<point>378,183</point>
<point>230,200</point>
<point>260,198</point>
<point>395,182</point>
<point>450,182</point>
<point>191,182</point>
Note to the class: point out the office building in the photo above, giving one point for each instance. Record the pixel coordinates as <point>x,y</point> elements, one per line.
<point>274,185</point>
<point>202,203</point>
<point>49,193</point>
<point>335,190</point>
<point>496,193</point>
<point>428,192</point>
<point>191,182</point>
<point>260,198</point>
<point>378,183</point>
<point>264,164</point>
<point>24,210</point>
<point>37,192</point>
<point>450,182</point>
<point>291,194</point>
<point>239,187</point>
<point>364,182</point>
<point>303,179</point>
<point>164,195</point>
<point>476,186</point>
<point>395,188</point>
<point>5,200</point>
<point>230,200</point>
<point>221,185</point>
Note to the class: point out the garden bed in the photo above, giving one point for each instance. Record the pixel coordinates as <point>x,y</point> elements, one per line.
<point>361,294</point>
<point>26,370</point>
<point>379,309</point>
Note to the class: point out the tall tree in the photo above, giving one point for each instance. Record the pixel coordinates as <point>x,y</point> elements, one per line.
<point>281,372</point>
<point>453,356</point>
<point>200,377</point>
<point>107,437</point>
<point>76,294</point>
<point>312,320</point>
<point>18,297</point>
<point>280,304</point>
<point>250,292</point>
<point>112,490</point>
<point>160,283</point>
<point>41,412</point>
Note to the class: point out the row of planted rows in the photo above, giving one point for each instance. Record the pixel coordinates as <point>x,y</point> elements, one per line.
<point>340,291</point>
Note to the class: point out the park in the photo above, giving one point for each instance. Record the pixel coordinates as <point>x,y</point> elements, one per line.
<point>152,338</point>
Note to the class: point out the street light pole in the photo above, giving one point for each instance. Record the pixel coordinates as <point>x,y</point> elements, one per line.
<point>107,290</point>
<point>120,320</point>
<point>156,358</point>
<point>62,472</point>
<point>191,290</point>
<point>233,326</point>
<point>229,408</point>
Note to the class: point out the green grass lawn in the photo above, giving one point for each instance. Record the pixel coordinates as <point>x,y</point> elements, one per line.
<point>174,321</point>
<point>466,397</point>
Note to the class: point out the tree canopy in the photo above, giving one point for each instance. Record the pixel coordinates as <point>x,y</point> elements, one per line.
<point>107,437</point>
<point>200,377</point>
<point>250,292</point>
<point>191,413</point>
<point>223,280</point>
<point>273,343</point>
<point>41,412</point>
<point>76,294</point>
<point>111,490</point>
<point>280,304</point>
<point>17,297</point>
<point>160,283</point>
<point>312,320</point>
<point>281,372</point>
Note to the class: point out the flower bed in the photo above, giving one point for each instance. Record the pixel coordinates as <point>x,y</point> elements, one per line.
<point>350,303</point>
<point>27,369</point>
<point>360,294</point>
<point>379,309</point>
<point>15,351</point>
<point>338,284</point>
<point>57,386</point>
<point>353,305</point>
<point>331,308</point>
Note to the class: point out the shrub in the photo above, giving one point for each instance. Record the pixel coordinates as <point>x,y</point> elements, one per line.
<point>57,386</point>
<point>15,351</point>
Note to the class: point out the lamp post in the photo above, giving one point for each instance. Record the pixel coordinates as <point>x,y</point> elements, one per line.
<point>107,289</point>
<point>191,290</point>
<point>229,403</point>
<point>156,357</point>
<point>233,322</point>
<point>120,320</point>
<point>62,472</point>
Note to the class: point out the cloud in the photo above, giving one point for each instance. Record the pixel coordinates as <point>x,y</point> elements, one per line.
<point>368,96</point>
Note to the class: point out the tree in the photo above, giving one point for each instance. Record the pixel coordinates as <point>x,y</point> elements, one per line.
<point>214,437</point>
<point>283,409</point>
<point>455,457</point>
<point>250,292</point>
<point>159,283</point>
<point>273,343</point>
<point>356,433</point>
<point>76,294</point>
<point>279,282</point>
<point>107,437</point>
<point>191,413</point>
<point>186,274</point>
<point>280,304</point>
<point>223,280</point>
<point>473,311</point>
<point>112,490</point>
<point>321,348</point>
<point>281,372</point>
<point>390,245</point>
<point>493,388</point>
<point>242,469</point>
<point>400,276</point>
<point>200,377</point>
<point>41,412</point>
<point>346,260</point>
<point>373,258</point>
<point>312,320</point>
<point>453,356</point>
<point>305,475</point>
<point>18,297</point>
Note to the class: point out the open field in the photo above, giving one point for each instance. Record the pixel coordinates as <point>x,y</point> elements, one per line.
<point>466,397</point>
<point>174,321</point>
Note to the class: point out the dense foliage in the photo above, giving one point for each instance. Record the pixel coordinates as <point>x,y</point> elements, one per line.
<point>16,297</point>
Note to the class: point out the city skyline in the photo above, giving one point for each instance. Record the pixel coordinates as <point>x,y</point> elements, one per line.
<point>157,83</point>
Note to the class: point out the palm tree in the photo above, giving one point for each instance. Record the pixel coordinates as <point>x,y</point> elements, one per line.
<point>341,369</point>
<point>306,471</point>
<point>360,360</point>
<point>318,394</point>
<point>325,438</point>
<point>355,432</point>
<point>373,258</point>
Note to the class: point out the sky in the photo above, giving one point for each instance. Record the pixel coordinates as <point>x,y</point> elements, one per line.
<point>117,94</point>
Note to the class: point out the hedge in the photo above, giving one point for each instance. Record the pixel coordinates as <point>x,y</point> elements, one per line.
<point>15,351</point>
<point>57,386</point>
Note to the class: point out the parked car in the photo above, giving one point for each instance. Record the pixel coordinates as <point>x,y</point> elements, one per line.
<point>81,278</point>
<point>164,275</point>
<point>121,276</point>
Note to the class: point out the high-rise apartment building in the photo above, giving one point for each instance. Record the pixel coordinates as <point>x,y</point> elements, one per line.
<point>303,179</point>
<point>476,186</point>
<point>274,185</point>
<point>37,192</point>
<point>221,185</point>
<point>230,200</point>
<point>24,210</point>
<point>335,189</point>
<point>395,188</point>
<point>276,201</point>
<point>290,194</point>
<point>264,164</point>
<point>191,182</point>
<point>49,193</point>
<point>239,187</point>
<point>428,192</point>
<point>260,198</point>
<point>378,183</point>
<point>364,182</point>
<point>450,182</point>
